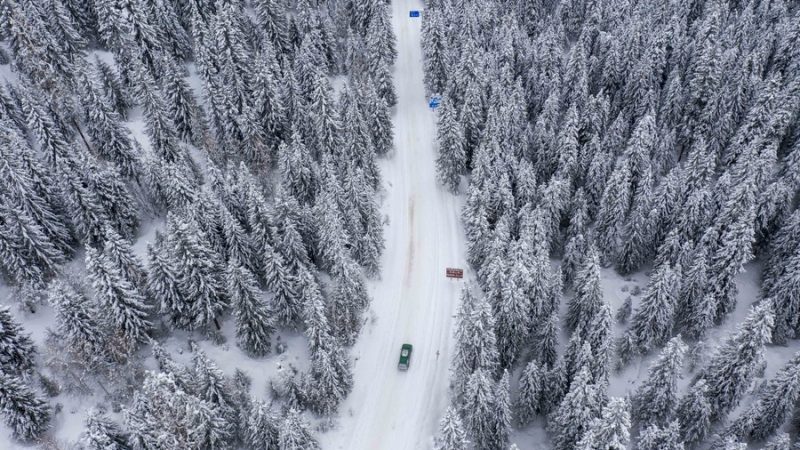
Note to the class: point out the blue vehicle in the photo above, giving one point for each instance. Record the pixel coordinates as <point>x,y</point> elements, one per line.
<point>413,13</point>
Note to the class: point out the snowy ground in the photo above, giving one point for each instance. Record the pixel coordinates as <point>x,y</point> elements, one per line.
<point>413,302</point>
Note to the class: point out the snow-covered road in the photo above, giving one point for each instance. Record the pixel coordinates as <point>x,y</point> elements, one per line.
<point>413,302</point>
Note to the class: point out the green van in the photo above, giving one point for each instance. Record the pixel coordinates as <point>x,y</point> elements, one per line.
<point>405,357</point>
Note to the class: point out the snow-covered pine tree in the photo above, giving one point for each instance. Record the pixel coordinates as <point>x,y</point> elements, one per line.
<point>16,347</point>
<point>451,161</point>
<point>294,433</point>
<point>330,378</point>
<point>785,295</point>
<point>102,433</point>
<point>547,341</point>
<point>113,89</point>
<point>574,415</point>
<point>694,414</point>
<point>780,441</point>
<point>110,137</point>
<point>451,432</point>
<point>434,46</point>
<point>588,295</point>
<point>162,285</point>
<point>614,207</point>
<point>120,301</point>
<point>657,438</point>
<point>120,253</point>
<point>611,430</point>
<point>656,399</point>
<point>347,302</point>
<point>529,399</point>
<point>181,105</point>
<point>653,320</point>
<point>476,346</point>
<point>272,17</point>
<point>210,384</point>
<point>298,169</point>
<point>333,238</point>
<point>78,322</point>
<point>513,310</point>
<point>731,370</point>
<point>114,199</point>
<point>478,408</point>
<point>773,405</point>
<point>196,263</point>
<point>378,117</point>
<point>23,411</point>
<point>161,413</point>
<point>254,320</point>
<point>502,412</point>
<point>180,374</point>
<point>262,427</point>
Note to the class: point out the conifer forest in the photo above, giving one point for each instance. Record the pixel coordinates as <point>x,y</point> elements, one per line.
<point>399,224</point>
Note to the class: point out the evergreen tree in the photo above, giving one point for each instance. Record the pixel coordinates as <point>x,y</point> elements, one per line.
<point>181,105</point>
<point>181,374</point>
<point>476,346</point>
<point>285,288</point>
<point>451,160</point>
<point>555,384</point>
<point>121,301</point>
<point>763,417</point>
<point>614,207</point>
<point>378,119</point>
<point>294,433</point>
<point>300,178</point>
<point>163,415</point>
<point>611,430</point>
<point>529,401</point>
<point>102,433</point>
<point>115,93</point>
<point>16,348</point>
<point>77,322</point>
<point>109,135</point>
<point>588,296</point>
<point>120,253</point>
<point>348,301</point>
<point>330,378</point>
<point>162,284</point>
<point>652,322</point>
<point>24,412</point>
<point>573,417</point>
<point>262,427</point>
<point>513,310</point>
<point>656,398</point>
<point>196,264</point>
<point>547,341</point>
<point>694,414</point>
<point>254,324</point>
<point>731,370</point>
<point>451,432</point>
<point>779,442</point>
<point>657,438</point>
<point>478,407</point>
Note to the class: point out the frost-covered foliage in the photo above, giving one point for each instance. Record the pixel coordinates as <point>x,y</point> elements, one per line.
<point>266,177</point>
<point>629,135</point>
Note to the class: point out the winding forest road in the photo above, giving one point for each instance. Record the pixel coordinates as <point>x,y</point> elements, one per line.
<point>413,302</point>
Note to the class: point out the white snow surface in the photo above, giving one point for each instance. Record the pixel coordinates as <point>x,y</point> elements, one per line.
<point>413,302</point>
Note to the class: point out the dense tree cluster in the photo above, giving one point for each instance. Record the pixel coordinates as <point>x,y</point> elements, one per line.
<point>630,135</point>
<point>265,176</point>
